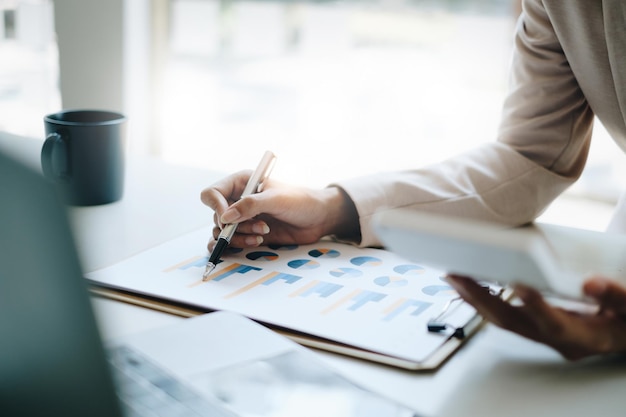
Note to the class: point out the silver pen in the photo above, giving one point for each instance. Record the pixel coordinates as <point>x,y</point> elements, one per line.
<point>254,185</point>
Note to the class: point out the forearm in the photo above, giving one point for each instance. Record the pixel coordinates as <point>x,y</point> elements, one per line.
<point>492,183</point>
<point>543,142</point>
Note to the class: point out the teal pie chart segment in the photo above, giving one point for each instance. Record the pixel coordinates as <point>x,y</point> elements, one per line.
<point>324,253</point>
<point>303,264</point>
<point>439,291</point>
<point>262,256</point>
<point>345,273</point>
<point>366,261</point>
<point>409,269</point>
<point>390,281</point>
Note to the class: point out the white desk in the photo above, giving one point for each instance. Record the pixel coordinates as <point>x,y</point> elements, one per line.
<point>496,373</point>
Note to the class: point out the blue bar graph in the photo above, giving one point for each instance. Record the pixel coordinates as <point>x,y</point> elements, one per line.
<point>404,304</point>
<point>268,279</point>
<point>358,298</point>
<point>365,297</point>
<point>288,278</point>
<point>195,262</point>
<point>323,289</point>
<point>234,269</point>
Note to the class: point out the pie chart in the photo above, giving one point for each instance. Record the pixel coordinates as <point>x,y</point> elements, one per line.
<point>262,256</point>
<point>365,261</point>
<point>303,264</point>
<point>439,290</point>
<point>390,281</point>
<point>324,253</point>
<point>346,273</point>
<point>409,269</point>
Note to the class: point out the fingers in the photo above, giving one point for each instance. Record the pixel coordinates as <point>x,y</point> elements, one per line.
<point>573,334</point>
<point>249,234</point>
<point>240,211</point>
<point>533,319</point>
<point>546,321</point>
<point>268,202</point>
<point>241,241</point>
<point>223,198</point>
<point>223,193</point>
<point>491,307</point>
<point>609,294</point>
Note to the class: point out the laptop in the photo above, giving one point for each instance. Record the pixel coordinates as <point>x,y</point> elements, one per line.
<point>53,361</point>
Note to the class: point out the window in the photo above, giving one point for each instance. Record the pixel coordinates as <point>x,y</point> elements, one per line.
<point>336,88</point>
<point>29,70</point>
<point>339,89</point>
<point>352,86</point>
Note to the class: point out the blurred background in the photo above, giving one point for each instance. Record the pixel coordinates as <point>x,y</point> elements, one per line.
<point>335,88</point>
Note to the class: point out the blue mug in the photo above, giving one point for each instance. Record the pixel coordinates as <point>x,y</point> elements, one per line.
<point>83,154</point>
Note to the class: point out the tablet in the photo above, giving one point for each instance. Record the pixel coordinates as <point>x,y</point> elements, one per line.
<point>551,258</point>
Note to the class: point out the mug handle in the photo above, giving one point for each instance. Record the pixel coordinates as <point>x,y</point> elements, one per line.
<point>54,157</point>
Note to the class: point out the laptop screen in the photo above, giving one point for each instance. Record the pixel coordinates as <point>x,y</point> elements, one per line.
<point>51,357</point>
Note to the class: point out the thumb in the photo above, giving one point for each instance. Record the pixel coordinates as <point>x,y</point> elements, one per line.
<point>608,293</point>
<point>242,210</point>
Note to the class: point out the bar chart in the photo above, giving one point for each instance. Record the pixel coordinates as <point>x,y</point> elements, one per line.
<point>368,298</point>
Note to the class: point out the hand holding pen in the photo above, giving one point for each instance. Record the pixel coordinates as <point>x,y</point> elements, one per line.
<point>282,214</point>
<point>254,185</point>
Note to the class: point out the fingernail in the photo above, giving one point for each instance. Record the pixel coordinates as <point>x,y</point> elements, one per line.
<point>456,281</point>
<point>453,278</point>
<point>254,240</point>
<point>261,228</point>
<point>595,287</point>
<point>523,292</point>
<point>230,216</point>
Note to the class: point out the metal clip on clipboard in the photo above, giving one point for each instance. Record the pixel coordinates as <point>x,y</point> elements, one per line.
<point>438,324</point>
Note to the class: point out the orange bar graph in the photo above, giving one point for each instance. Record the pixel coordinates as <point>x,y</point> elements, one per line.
<point>215,274</point>
<point>183,263</point>
<point>341,301</point>
<point>305,288</point>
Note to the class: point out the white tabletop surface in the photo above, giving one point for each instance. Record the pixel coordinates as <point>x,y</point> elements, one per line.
<point>496,373</point>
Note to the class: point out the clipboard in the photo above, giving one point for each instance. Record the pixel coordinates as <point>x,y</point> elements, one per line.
<point>432,363</point>
<point>321,289</point>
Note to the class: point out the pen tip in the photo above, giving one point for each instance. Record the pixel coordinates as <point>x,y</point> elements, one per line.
<point>207,271</point>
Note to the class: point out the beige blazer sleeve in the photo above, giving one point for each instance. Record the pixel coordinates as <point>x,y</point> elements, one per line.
<point>541,147</point>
